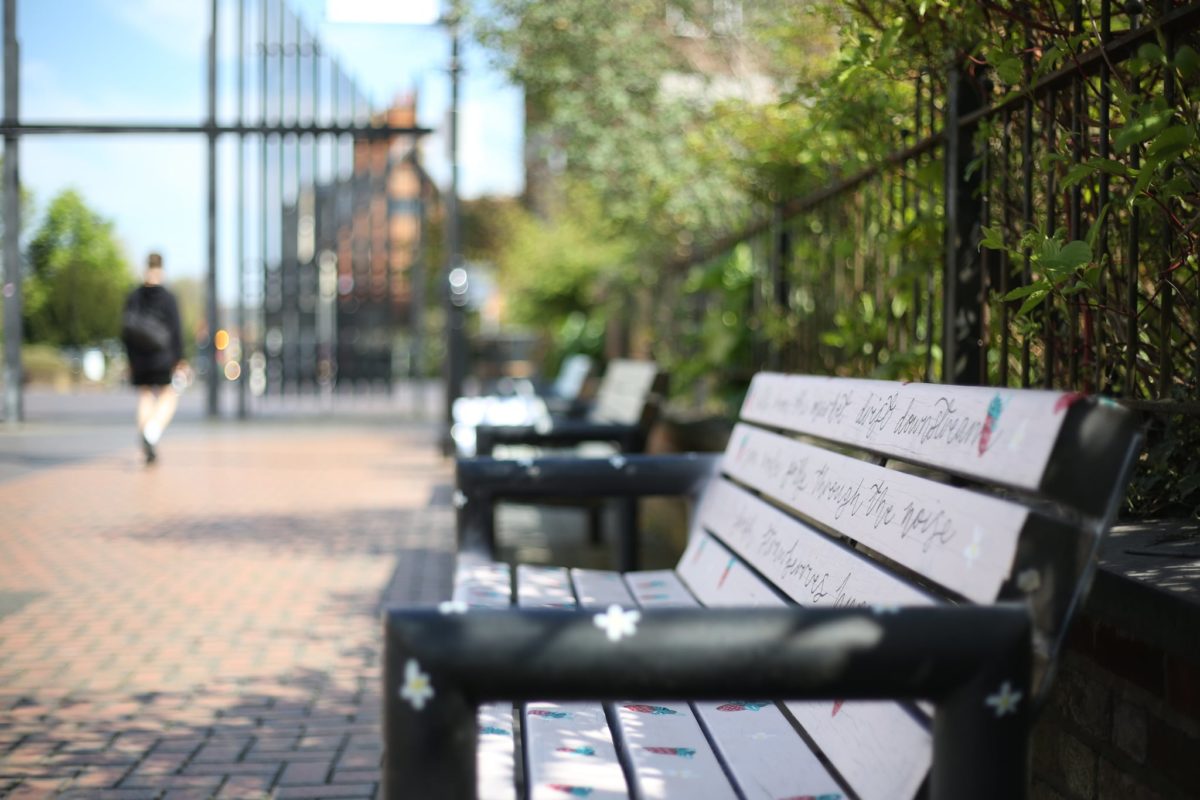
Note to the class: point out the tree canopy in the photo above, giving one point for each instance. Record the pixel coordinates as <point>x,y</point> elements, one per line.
<point>78,276</point>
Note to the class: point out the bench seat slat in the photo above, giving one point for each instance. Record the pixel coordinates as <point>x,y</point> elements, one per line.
<point>544,587</point>
<point>763,751</point>
<point>669,753</point>
<point>872,744</point>
<point>962,540</point>
<point>597,588</point>
<point>496,753</point>
<point>659,588</point>
<point>810,568</point>
<point>570,753</point>
<point>875,745</point>
<point>1001,435</point>
<point>482,584</point>
<point>728,733</point>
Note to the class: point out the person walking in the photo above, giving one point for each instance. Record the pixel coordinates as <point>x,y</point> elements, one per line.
<point>154,344</point>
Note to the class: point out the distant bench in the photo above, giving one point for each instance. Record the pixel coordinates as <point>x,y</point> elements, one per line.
<point>912,555</point>
<point>625,407</point>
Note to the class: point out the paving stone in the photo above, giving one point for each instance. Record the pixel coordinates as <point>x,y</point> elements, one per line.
<point>210,626</point>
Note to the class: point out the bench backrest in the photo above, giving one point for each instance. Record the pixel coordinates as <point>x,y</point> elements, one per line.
<point>853,492</point>
<point>629,393</point>
<point>572,374</point>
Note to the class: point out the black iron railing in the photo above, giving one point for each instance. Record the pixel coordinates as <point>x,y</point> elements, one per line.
<point>883,273</point>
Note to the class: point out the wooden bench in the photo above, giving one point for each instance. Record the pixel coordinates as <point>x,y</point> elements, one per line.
<point>896,564</point>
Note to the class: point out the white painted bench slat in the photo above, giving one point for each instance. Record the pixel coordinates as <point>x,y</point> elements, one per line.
<point>766,756</point>
<point>570,753</point>
<point>495,758</point>
<point>544,587</point>
<point>1000,435</point>
<point>597,589</point>
<point>482,584</point>
<point>621,396</point>
<point>963,540</point>
<point>569,750</point>
<point>669,753</point>
<point>898,750</point>
<point>719,578</point>
<point>875,745</point>
<point>808,567</point>
<point>659,589</point>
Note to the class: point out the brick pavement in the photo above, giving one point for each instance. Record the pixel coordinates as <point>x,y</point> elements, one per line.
<point>209,627</point>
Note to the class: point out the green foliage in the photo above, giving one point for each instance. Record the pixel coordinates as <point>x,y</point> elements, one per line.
<point>78,276</point>
<point>1058,269</point>
<point>551,270</point>
<point>1166,482</point>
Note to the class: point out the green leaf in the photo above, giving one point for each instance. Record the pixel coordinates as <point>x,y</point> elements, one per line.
<point>1094,230</point>
<point>1152,53</point>
<point>1142,182</point>
<point>1187,61</point>
<point>993,238</point>
<point>1033,301</point>
<point>1171,142</point>
<point>1140,130</point>
<point>1025,291</point>
<point>1009,68</point>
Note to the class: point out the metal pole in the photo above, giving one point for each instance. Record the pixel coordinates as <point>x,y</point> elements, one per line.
<point>210,354</point>
<point>13,411</point>
<point>455,342</point>
<point>962,317</point>
<point>263,189</point>
<point>241,216</point>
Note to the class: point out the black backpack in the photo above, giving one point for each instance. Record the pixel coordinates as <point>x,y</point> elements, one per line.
<point>141,329</point>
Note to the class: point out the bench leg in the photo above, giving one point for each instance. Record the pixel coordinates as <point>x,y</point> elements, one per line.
<point>595,513</point>
<point>627,541</point>
<point>981,734</point>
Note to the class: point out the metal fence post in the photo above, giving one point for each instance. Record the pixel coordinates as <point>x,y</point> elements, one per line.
<point>962,320</point>
<point>210,352</point>
<point>13,411</point>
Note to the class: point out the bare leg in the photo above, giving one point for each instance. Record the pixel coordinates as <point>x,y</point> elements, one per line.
<point>164,409</point>
<point>145,406</point>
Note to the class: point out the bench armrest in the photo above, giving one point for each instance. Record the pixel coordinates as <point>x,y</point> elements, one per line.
<point>560,432</point>
<point>483,481</point>
<point>974,662</point>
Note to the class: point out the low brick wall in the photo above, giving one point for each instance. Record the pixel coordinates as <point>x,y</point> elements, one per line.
<point>1123,719</point>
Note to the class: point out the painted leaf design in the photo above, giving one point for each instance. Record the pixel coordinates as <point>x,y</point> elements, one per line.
<point>742,705</point>
<point>682,752</point>
<point>645,709</point>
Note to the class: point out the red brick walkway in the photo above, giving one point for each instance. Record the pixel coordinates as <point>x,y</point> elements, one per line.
<point>209,627</point>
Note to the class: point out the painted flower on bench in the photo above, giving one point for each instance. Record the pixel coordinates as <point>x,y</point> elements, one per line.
<point>618,623</point>
<point>417,689</point>
<point>1005,700</point>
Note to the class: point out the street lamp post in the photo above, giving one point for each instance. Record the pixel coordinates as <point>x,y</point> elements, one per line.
<point>454,285</point>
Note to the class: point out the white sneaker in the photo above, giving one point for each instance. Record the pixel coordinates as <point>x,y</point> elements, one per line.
<point>152,433</point>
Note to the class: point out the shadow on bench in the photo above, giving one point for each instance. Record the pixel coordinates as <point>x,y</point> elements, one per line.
<point>896,563</point>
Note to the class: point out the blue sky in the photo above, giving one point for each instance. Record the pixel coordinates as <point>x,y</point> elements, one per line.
<point>144,60</point>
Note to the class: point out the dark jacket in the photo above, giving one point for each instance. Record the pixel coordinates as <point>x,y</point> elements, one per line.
<point>158,301</point>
